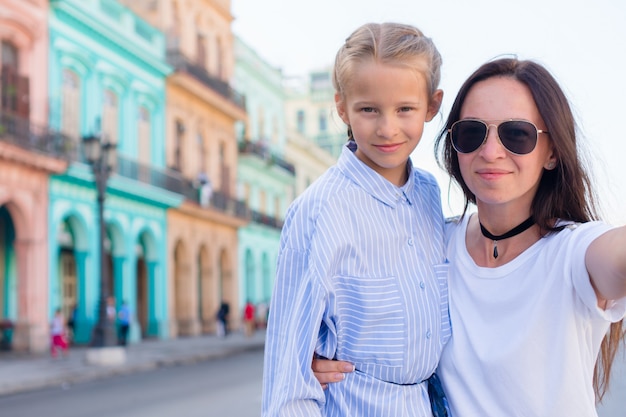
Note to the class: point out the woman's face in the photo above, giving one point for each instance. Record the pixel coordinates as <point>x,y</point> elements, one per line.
<point>496,176</point>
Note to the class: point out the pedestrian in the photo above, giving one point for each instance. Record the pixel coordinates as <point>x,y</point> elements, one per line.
<point>123,318</point>
<point>206,189</point>
<point>110,309</point>
<point>537,284</point>
<point>58,333</point>
<point>71,323</point>
<point>222,319</point>
<point>361,271</point>
<point>249,319</point>
<point>262,311</point>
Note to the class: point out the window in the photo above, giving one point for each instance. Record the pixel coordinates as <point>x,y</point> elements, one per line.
<point>179,141</point>
<point>143,136</point>
<point>70,103</point>
<point>9,55</point>
<point>277,209</point>
<point>262,202</point>
<point>261,123</point>
<point>202,153</point>
<point>323,121</point>
<point>13,88</point>
<point>300,120</point>
<point>110,117</point>
<point>201,50</point>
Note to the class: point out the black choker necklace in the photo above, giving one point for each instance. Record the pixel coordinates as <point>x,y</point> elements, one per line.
<point>514,231</point>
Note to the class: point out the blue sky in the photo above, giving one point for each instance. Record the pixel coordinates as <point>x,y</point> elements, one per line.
<point>580,42</point>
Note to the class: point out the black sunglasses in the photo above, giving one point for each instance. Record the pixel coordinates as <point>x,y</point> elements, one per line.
<point>518,136</point>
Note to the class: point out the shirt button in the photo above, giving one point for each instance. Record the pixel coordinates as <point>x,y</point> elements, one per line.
<point>428,334</point>
<point>410,242</point>
<point>422,285</point>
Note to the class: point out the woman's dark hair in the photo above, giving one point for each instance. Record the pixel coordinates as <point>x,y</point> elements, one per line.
<point>564,192</point>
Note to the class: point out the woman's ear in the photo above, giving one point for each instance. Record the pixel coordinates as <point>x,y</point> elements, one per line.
<point>434,105</point>
<point>552,160</point>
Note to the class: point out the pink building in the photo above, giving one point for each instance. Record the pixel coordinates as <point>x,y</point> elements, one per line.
<point>29,154</point>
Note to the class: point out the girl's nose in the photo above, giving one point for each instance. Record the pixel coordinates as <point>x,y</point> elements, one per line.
<point>387,127</point>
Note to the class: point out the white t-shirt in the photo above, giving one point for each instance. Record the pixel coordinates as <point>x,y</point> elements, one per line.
<point>525,335</point>
<point>58,326</point>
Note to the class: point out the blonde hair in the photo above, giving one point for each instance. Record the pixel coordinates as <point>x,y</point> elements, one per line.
<point>388,43</point>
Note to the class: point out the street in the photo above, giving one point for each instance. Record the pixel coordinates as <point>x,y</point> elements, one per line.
<point>226,387</point>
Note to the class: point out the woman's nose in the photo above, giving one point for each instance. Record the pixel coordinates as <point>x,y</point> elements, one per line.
<point>492,147</point>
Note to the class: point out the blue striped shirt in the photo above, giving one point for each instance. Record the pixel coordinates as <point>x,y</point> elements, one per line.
<point>361,277</point>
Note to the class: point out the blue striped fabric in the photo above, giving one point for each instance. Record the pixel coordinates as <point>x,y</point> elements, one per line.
<point>362,277</point>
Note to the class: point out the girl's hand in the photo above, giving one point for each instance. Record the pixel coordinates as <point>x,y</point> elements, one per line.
<point>327,371</point>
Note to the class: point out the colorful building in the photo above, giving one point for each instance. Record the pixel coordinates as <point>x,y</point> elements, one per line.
<point>265,179</point>
<point>107,71</point>
<point>29,153</point>
<point>310,111</point>
<point>201,145</point>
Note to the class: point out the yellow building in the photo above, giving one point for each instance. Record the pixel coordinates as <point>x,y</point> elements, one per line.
<point>201,145</point>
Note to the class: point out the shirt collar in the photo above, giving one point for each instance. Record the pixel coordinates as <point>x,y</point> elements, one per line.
<point>372,182</point>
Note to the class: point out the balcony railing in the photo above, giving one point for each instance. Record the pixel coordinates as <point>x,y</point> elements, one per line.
<point>262,151</point>
<point>181,63</point>
<point>261,218</point>
<point>23,133</point>
<point>173,181</point>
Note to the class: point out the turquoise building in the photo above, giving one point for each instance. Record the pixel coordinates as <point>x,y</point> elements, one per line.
<point>107,79</point>
<point>265,179</point>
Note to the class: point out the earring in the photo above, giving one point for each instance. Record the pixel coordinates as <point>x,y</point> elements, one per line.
<point>551,165</point>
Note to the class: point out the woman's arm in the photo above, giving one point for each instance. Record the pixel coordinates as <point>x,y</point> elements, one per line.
<point>606,264</point>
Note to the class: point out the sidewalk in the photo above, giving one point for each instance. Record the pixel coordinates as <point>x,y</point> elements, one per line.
<point>23,372</point>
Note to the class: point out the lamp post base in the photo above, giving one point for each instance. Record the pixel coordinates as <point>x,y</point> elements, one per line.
<point>106,356</point>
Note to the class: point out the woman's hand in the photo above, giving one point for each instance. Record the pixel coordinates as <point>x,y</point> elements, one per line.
<point>327,371</point>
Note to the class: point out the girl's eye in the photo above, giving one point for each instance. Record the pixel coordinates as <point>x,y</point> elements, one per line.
<point>367,109</point>
<point>405,109</point>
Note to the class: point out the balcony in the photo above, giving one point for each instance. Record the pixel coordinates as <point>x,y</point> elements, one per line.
<point>22,132</point>
<point>262,151</point>
<point>261,218</point>
<point>183,64</point>
<point>173,181</point>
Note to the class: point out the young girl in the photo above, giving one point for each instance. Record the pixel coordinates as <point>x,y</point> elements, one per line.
<point>58,334</point>
<point>361,272</point>
<point>535,283</point>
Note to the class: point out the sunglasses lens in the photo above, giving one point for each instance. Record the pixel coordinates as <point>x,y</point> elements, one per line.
<point>468,135</point>
<point>518,136</point>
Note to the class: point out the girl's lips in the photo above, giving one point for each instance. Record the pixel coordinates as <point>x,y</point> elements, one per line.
<point>389,148</point>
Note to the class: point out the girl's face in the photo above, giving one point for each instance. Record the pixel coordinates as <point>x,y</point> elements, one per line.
<point>496,176</point>
<point>386,106</point>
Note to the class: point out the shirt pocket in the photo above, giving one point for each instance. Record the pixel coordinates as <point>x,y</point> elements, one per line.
<point>371,320</point>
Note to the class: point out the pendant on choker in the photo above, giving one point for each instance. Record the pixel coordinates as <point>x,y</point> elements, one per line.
<point>522,227</point>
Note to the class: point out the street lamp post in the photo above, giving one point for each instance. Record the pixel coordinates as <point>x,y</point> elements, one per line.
<point>101,155</point>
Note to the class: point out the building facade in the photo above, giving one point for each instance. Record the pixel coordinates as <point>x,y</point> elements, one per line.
<point>310,111</point>
<point>201,145</point>
<point>107,72</point>
<point>265,179</point>
<point>29,153</point>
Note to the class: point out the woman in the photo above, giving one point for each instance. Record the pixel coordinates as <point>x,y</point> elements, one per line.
<point>535,282</point>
